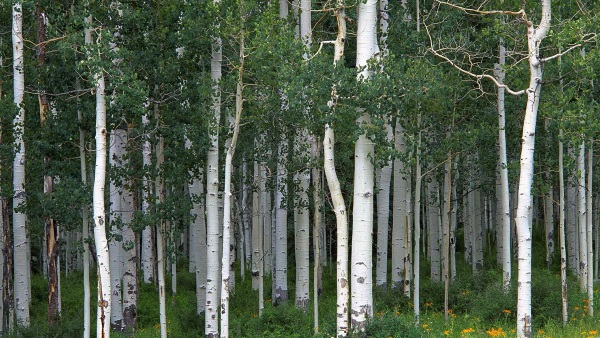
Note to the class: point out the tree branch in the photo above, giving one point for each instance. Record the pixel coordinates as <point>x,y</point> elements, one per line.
<point>469,73</point>
<point>520,13</point>
<point>329,42</point>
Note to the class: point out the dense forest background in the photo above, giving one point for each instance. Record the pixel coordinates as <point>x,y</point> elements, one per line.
<point>457,197</point>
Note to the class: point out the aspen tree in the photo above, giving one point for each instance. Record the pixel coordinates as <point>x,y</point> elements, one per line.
<point>339,206</point>
<point>212,194</point>
<point>234,124</point>
<point>20,241</point>
<point>361,284</point>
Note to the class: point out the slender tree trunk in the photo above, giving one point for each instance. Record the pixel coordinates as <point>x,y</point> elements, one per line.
<point>417,227</point>
<point>446,232</point>
<point>212,195</point>
<point>147,240</point>
<point>589,223</point>
<point>337,199</point>
<point>159,189</point>
<point>103,259</point>
<point>281,288</point>
<point>198,228</point>
<point>581,206</point>
<point>316,174</point>
<point>116,147</point>
<point>85,208</point>
<point>561,227</point>
<point>230,145</point>
<point>21,243</point>
<point>130,277</point>
<point>504,195</point>
<point>383,213</point>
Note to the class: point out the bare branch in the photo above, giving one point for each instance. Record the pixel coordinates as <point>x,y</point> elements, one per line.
<point>520,13</point>
<point>329,42</point>
<point>469,73</point>
<point>557,55</point>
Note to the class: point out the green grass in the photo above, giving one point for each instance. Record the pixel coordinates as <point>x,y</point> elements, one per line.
<point>479,309</point>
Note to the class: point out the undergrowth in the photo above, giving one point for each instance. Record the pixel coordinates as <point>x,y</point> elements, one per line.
<point>478,308</point>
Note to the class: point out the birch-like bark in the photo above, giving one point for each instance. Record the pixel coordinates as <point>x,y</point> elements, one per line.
<point>433,228</point>
<point>561,227</point>
<point>571,221</point>
<point>316,176</point>
<point>383,215</point>
<point>159,189</point>
<point>417,227</point>
<point>337,199</point>
<point>589,226</point>
<point>400,250</point>
<point>581,207</point>
<point>85,209</point>
<point>281,288</point>
<point>130,277</point>
<point>534,39</point>
<point>212,196</point>
<point>245,216</point>
<point>104,286</point>
<point>230,145</point>
<point>549,210</point>
<point>20,241</point>
<point>302,230</point>
<point>198,228</point>
<point>147,242</point>
<point>446,232</point>
<point>256,226</point>
<point>361,284</point>
<point>504,195</point>
<point>115,245</point>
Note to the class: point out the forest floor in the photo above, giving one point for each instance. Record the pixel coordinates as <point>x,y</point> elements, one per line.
<point>478,306</point>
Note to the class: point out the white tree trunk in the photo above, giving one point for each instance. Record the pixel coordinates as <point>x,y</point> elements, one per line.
<point>417,227</point>
<point>504,195</point>
<point>198,249</point>
<point>581,206</point>
<point>361,284</point>
<point>85,212</point>
<point>147,242</point>
<point>115,246</point>
<point>227,199</point>
<point>534,38</point>
<point>383,215</point>
<point>245,216</point>
<point>433,228</point>
<point>256,240</point>
<point>281,192</point>
<point>549,210</point>
<point>561,227</point>
<point>20,240</point>
<point>337,199</point>
<point>571,222</point>
<point>589,227</point>
<point>302,226</point>
<point>104,288</point>
<point>400,250</point>
<point>130,289</point>
<point>212,197</point>
<point>316,176</point>
<point>159,188</point>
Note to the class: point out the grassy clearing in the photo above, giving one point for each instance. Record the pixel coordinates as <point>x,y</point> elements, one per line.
<point>479,308</point>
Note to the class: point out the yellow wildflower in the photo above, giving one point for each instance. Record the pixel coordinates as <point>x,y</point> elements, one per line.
<point>468,330</point>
